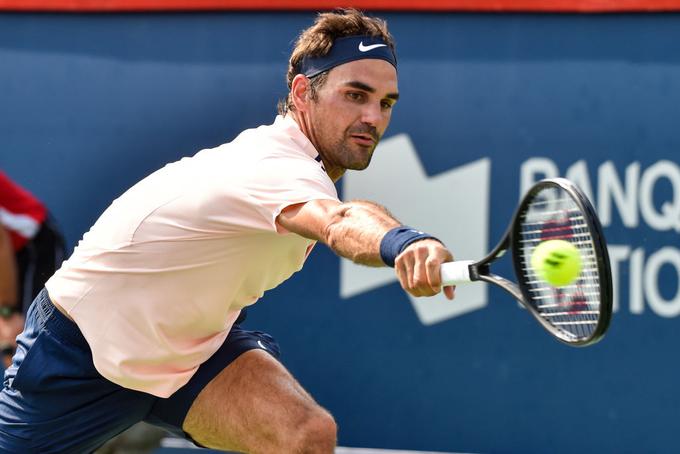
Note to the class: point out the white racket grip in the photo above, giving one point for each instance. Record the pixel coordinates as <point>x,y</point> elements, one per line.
<point>458,272</point>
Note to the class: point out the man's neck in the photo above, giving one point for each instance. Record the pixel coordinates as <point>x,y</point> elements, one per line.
<point>334,172</point>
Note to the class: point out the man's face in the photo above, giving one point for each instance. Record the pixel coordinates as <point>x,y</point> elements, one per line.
<point>352,111</point>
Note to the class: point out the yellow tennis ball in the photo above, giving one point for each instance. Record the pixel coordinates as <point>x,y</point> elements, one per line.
<point>557,262</point>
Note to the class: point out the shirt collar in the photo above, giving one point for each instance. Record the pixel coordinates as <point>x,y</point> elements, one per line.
<point>290,127</point>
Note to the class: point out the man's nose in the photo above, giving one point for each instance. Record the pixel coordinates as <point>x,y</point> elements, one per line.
<point>371,114</point>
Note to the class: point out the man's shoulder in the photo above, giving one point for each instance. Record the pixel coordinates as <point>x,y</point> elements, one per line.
<point>281,127</point>
<point>282,138</point>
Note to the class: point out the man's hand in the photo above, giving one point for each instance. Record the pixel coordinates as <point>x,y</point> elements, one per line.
<point>10,328</point>
<point>418,268</point>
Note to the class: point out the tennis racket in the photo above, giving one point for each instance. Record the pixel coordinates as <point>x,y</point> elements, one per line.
<point>577,314</point>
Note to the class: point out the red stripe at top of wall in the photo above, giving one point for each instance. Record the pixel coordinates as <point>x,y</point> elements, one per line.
<point>584,6</point>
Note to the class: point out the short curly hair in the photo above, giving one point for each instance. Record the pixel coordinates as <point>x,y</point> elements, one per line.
<point>318,39</point>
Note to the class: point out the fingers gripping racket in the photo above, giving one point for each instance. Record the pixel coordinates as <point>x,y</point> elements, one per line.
<point>577,314</point>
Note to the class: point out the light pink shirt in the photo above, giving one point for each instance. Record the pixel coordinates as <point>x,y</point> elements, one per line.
<point>158,281</point>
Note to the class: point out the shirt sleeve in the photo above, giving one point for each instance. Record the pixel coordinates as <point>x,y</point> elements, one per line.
<point>283,181</point>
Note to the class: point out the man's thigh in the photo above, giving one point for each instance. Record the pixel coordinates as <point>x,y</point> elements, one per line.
<point>255,405</point>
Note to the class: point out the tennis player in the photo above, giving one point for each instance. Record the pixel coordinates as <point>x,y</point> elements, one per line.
<point>142,322</point>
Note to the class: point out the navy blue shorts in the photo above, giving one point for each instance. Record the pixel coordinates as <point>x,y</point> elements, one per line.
<point>54,401</point>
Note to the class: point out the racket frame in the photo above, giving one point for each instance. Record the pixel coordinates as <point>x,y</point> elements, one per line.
<point>481,270</point>
<point>599,247</point>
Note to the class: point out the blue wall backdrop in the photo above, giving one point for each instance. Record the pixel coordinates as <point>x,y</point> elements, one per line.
<point>89,104</point>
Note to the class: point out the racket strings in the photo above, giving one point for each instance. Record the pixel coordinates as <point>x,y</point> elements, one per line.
<point>573,309</point>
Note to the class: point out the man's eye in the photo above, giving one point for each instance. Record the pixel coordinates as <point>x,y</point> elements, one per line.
<point>386,105</point>
<point>355,96</point>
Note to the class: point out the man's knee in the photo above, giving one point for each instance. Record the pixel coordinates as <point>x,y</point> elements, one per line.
<point>316,434</point>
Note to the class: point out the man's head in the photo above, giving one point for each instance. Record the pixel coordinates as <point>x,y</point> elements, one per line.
<point>343,83</point>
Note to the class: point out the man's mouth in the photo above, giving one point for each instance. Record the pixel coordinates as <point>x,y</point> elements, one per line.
<point>364,139</point>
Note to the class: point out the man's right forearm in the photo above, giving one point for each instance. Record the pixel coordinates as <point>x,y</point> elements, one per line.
<point>356,230</point>
<point>363,231</point>
<point>8,271</point>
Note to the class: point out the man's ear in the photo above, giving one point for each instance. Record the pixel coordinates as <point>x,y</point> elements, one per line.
<point>299,92</point>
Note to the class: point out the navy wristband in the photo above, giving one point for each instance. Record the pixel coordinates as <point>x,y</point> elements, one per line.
<point>397,239</point>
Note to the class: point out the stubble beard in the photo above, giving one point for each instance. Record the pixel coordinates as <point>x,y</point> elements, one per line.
<point>342,152</point>
<point>351,156</point>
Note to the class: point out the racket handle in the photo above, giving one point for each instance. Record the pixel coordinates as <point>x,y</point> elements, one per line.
<point>458,272</point>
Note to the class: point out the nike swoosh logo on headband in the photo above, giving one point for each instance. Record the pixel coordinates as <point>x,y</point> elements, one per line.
<point>363,48</point>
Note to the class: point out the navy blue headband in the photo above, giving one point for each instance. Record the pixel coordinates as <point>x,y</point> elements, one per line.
<point>348,49</point>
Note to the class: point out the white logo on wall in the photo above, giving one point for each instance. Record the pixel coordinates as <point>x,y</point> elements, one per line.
<point>454,206</point>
